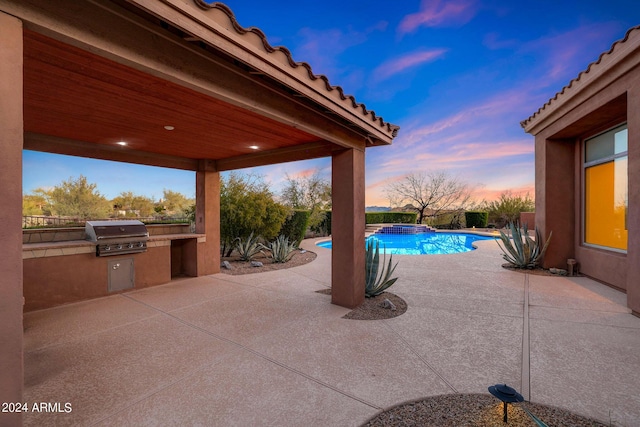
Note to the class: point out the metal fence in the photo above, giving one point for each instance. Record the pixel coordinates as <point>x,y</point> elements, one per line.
<point>43,221</point>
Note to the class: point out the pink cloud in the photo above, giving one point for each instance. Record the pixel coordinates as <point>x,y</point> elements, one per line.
<point>435,13</point>
<point>490,194</point>
<point>403,63</point>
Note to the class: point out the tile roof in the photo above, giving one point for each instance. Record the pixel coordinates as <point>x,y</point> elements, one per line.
<point>593,67</point>
<point>330,89</point>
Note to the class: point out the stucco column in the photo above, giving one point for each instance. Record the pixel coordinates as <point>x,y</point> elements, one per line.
<point>208,221</point>
<point>633,213</point>
<point>555,187</point>
<point>347,228</point>
<point>11,140</point>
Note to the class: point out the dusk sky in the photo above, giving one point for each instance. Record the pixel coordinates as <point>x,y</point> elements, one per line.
<point>457,76</point>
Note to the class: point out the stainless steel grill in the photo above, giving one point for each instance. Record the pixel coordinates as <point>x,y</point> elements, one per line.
<point>117,237</point>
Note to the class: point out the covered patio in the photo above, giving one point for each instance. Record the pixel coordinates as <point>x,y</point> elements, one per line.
<point>184,86</point>
<point>267,349</point>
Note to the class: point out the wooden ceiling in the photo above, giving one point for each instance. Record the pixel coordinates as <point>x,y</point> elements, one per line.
<point>73,94</point>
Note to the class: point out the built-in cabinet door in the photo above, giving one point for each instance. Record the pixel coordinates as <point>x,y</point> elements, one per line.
<point>121,274</point>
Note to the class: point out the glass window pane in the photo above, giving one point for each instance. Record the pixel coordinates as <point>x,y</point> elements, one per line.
<point>606,204</point>
<point>606,144</point>
<point>620,141</point>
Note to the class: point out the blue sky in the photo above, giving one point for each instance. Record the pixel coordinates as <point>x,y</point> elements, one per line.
<point>457,76</point>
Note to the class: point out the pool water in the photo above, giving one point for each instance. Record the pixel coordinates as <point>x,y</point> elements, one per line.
<point>423,243</point>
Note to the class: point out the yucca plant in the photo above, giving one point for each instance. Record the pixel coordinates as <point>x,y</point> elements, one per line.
<point>280,249</point>
<point>377,281</point>
<point>248,248</point>
<point>522,251</point>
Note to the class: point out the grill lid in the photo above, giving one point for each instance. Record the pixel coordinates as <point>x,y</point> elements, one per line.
<point>115,230</point>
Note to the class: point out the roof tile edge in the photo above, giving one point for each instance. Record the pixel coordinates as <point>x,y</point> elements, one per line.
<point>202,4</point>
<point>525,123</point>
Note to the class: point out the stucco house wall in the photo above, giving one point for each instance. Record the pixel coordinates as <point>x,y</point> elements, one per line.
<point>606,95</point>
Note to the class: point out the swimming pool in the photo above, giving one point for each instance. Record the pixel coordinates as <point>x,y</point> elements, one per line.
<point>423,243</point>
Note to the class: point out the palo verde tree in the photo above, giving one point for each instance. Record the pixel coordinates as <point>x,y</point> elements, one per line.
<point>247,206</point>
<point>78,198</point>
<point>429,193</point>
<point>37,203</point>
<point>174,203</point>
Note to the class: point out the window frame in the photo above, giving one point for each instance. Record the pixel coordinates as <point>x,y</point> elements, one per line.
<point>584,165</point>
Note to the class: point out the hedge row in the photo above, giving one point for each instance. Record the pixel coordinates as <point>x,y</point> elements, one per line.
<point>476,219</point>
<point>391,217</point>
<point>295,226</point>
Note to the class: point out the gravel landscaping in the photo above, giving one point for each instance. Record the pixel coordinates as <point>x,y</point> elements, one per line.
<point>244,267</point>
<point>474,410</point>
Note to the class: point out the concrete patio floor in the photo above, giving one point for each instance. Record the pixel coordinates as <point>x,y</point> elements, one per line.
<point>266,349</point>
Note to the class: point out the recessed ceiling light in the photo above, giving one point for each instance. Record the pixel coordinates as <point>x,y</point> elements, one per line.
<point>254,147</point>
<point>121,143</point>
<point>168,127</point>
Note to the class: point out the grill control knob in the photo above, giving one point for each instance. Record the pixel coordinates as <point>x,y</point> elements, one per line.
<point>119,247</point>
<point>130,246</point>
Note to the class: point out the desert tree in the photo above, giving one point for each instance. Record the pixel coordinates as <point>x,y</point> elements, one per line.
<point>79,198</point>
<point>133,204</point>
<point>173,203</point>
<point>311,193</point>
<point>37,203</point>
<point>508,207</point>
<point>429,193</point>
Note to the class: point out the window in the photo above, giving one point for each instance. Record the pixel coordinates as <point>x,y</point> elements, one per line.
<point>606,198</point>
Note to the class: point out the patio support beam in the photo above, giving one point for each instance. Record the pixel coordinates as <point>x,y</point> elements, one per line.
<point>347,228</point>
<point>312,150</point>
<point>208,220</point>
<point>11,135</point>
<point>69,147</point>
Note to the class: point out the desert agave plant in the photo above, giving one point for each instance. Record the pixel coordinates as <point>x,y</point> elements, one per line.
<point>248,248</point>
<point>377,281</point>
<point>523,252</point>
<point>281,250</point>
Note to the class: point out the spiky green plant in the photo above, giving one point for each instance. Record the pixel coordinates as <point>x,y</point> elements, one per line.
<point>377,281</point>
<point>248,248</point>
<point>281,250</point>
<point>522,251</point>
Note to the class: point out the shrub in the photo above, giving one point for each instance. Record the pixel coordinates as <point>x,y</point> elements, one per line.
<point>377,283</point>
<point>524,252</point>
<point>295,226</point>
<point>248,248</point>
<point>390,217</point>
<point>447,221</point>
<point>280,249</point>
<point>247,205</point>
<point>507,209</point>
<point>324,226</point>
<point>476,219</point>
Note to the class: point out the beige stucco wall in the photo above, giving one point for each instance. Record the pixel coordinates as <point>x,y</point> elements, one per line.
<point>11,137</point>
